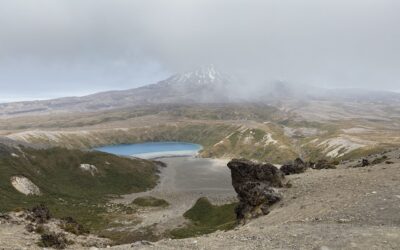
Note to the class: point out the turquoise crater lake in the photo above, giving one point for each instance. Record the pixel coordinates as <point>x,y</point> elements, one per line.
<point>153,149</point>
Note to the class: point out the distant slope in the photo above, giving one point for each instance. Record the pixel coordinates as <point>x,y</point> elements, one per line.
<point>223,130</point>
<point>254,131</point>
<point>204,85</point>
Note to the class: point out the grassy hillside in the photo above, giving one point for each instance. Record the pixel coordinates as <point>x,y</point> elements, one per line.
<point>66,188</point>
<point>206,218</point>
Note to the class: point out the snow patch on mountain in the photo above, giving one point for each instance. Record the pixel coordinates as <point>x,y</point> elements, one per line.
<point>202,76</point>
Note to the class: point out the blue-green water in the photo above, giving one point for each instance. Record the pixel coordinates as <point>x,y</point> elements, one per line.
<point>152,149</point>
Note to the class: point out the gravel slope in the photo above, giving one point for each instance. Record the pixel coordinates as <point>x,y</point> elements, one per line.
<point>346,208</point>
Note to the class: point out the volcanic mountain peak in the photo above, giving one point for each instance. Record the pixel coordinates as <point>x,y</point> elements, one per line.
<point>201,76</point>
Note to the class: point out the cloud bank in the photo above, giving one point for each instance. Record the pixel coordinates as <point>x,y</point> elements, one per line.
<point>68,47</point>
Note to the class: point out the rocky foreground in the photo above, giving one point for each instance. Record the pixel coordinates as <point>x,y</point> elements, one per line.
<point>355,206</point>
<point>344,208</point>
<point>36,229</point>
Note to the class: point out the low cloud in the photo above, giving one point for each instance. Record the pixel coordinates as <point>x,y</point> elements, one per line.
<point>78,47</point>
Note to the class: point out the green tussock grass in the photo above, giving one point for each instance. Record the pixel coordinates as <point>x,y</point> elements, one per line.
<point>149,201</point>
<point>68,190</point>
<point>234,138</point>
<point>206,218</point>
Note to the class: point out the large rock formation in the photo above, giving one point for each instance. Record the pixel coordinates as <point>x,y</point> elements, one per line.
<point>255,185</point>
<point>298,166</point>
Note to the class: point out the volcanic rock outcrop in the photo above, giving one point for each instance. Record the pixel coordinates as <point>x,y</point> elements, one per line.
<point>24,229</point>
<point>298,166</point>
<point>255,185</point>
<point>39,214</point>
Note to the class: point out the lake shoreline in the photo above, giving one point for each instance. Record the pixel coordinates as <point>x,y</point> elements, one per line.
<point>153,150</point>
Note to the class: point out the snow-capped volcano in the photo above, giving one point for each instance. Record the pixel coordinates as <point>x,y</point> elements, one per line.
<point>206,75</point>
<point>202,85</point>
<point>205,84</point>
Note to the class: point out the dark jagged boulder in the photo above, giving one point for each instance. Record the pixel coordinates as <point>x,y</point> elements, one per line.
<point>72,226</point>
<point>243,170</point>
<point>323,164</point>
<point>364,162</point>
<point>39,214</point>
<point>298,166</point>
<point>255,185</point>
<point>54,240</point>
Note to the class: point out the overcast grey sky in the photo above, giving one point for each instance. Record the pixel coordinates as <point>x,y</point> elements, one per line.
<point>51,48</point>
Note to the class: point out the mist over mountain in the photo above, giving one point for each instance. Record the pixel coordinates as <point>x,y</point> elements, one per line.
<point>205,85</point>
<point>66,48</point>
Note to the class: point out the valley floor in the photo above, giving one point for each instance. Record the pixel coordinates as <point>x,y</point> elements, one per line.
<point>182,183</point>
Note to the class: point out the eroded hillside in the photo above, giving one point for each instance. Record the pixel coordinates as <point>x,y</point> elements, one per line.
<point>254,131</point>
